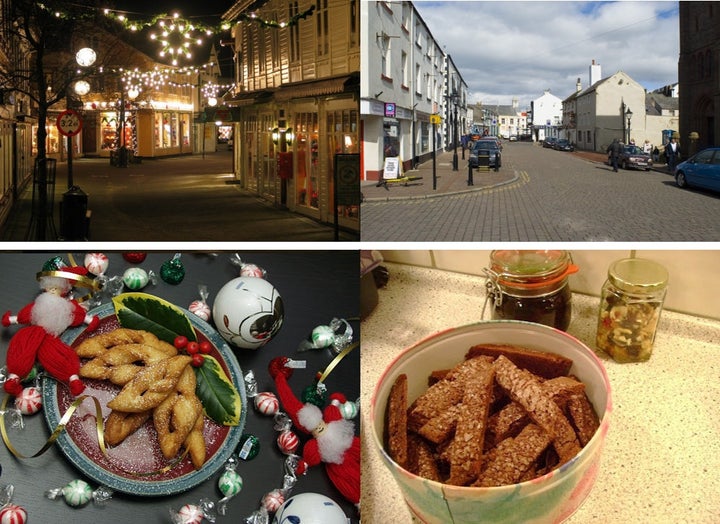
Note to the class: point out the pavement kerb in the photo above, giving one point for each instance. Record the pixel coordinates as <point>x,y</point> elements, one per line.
<point>445,194</point>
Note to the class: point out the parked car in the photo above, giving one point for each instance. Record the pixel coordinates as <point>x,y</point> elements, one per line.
<point>486,147</point>
<point>633,157</point>
<point>564,145</point>
<point>549,142</point>
<point>700,170</point>
<point>513,138</point>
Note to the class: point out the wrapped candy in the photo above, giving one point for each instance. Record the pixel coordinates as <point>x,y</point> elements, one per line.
<point>338,334</point>
<point>200,307</point>
<point>10,513</point>
<point>247,270</point>
<point>248,447</point>
<point>194,513</point>
<point>96,263</point>
<point>77,493</point>
<point>266,403</point>
<point>134,257</point>
<point>288,442</point>
<point>230,484</point>
<point>136,278</point>
<point>29,401</point>
<point>172,271</point>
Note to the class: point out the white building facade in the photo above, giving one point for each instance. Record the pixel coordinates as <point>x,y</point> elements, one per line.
<point>547,113</point>
<point>406,78</point>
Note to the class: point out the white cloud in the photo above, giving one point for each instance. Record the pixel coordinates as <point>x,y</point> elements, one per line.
<point>517,49</point>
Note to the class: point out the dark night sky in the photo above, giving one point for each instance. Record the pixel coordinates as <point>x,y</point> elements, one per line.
<point>206,11</point>
<point>187,8</point>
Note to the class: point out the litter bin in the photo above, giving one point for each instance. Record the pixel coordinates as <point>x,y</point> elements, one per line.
<point>73,214</point>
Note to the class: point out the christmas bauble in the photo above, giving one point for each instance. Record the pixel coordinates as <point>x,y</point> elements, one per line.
<point>248,312</point>
<point>310,508</point>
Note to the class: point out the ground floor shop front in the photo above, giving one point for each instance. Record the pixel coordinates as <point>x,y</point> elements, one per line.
<point>302,154</point>
<point>145,132</point>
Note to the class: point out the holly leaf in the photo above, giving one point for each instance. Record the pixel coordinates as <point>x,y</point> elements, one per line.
<point>153,314</point>
<point>217,393</point>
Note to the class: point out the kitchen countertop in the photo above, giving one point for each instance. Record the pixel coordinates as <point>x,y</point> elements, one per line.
<point>315,287</point>
<point>661,461</point>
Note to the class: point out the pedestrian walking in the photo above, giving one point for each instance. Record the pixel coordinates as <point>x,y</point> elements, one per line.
<point>614,151</point>
<point>672,154</point>
<point>647,147</point>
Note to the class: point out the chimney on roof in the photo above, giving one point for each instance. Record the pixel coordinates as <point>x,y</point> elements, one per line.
<point>595,72</point>
<point>578,86</point>
<point>515,103</point>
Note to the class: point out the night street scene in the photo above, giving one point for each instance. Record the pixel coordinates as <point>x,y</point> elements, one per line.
<point>211,121</point>
<point>540,121</point>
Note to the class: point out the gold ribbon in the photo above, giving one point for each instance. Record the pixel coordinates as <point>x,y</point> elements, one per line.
<point>336,361</point>
<point>61,427</point>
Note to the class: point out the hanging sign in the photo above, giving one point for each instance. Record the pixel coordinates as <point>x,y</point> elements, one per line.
<point>69,123</point>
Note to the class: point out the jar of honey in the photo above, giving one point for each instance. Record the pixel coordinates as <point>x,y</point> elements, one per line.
<point>630,305</point>
<point>531,285</point>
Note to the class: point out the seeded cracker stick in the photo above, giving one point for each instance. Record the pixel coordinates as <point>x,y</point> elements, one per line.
<point>527,390</point>
<point>466,449</point>
<point>396,421</point>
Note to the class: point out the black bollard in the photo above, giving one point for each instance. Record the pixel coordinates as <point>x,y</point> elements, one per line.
<point>470,175</point>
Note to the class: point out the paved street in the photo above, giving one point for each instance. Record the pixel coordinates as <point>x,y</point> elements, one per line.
<point>549,196</point>
<point>188,198</point>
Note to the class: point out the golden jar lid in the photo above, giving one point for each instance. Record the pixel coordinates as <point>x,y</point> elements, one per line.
<point>638,275</point>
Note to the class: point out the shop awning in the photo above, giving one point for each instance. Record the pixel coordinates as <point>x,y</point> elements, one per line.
<point>248,98</point>
<point>328,86</point>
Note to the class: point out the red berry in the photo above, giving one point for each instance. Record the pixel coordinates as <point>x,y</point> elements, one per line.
<point>180,341</point>
<point>205,347</point>
<point>197,360</point>
<point>192,348</point>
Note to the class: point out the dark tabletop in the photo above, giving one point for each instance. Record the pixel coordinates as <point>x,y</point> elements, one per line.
<point>315,286</point>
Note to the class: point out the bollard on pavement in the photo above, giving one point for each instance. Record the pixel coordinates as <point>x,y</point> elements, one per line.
<point>470,175</point>
<point>74,215</point>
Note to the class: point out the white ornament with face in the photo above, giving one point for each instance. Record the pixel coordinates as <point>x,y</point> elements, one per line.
<point>248,312</point>
<point>310,508</point>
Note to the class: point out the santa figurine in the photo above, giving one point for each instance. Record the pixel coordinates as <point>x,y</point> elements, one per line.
<point>45,320</point>
<point>334,441</point>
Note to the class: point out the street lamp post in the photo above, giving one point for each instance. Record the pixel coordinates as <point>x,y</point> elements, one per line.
<point>628,115</point>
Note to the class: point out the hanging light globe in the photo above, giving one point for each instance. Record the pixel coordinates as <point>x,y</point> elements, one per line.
<point>85,57</point>
<point>82,87</point>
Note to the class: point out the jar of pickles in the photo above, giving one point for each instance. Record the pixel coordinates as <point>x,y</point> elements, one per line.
<point>531,285</point>
<point>630,306</point>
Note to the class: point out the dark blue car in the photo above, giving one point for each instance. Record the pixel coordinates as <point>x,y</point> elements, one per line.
<point>700,170</point>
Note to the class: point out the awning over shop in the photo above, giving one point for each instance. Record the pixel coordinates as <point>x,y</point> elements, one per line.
<point>312,88</point>
<point>249,98</point>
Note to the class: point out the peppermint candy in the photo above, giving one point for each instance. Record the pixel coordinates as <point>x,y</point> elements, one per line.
<point>267,403</point>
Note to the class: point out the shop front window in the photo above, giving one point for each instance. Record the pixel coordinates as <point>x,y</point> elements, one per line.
<point>174,130</point>
<point>52,142</point>
<point>307,158</point>
<point>108,130</point>
<point>185,127</point>
<point>342,127</point>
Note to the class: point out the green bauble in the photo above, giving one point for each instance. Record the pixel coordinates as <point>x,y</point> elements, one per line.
<point>311,395</point>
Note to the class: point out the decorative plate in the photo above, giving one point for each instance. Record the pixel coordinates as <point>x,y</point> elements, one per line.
<point>136,466</point>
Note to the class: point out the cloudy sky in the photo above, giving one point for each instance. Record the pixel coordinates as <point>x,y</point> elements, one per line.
<point>518,49</point>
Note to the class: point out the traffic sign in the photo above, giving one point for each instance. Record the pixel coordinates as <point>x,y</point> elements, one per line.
<point>435,119</point>
<point>69,123</point>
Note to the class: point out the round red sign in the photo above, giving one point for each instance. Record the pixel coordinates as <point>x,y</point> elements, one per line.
<point>69,123</point>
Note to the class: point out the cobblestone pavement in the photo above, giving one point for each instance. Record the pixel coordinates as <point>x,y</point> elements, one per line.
<point>548,195</point>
